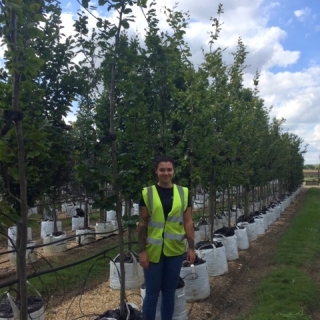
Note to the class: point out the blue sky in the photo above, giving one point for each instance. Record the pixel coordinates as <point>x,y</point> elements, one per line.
<point>283,40</point>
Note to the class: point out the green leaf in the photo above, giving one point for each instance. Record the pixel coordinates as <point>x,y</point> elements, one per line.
<point>35,6</point>
<point>33,154</point>
<point>40,17</point>
<point>99,24</point>
<point>127,10</point>
<point>125,24</point>
<point>85,4</point>
<point>102,2</point>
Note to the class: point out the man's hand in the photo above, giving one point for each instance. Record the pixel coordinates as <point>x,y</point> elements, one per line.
<point>144,260</point>
<point>191,256</point>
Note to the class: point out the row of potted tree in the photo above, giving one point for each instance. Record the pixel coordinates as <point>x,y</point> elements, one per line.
<point>134,102</point>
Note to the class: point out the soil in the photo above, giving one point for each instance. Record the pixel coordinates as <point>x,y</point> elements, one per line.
<point>231,296</point>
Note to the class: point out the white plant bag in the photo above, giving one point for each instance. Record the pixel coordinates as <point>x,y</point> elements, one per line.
<point>77,222</point>
<point>180,304</point>
<point>103,229</point>
<point>111,215</point>
<point>230,245</point>
<point>31,253</point>
<point>273,211</point>
<point>251,229</point>
<point>48,226</point>
<point>85,236</point>
<point>265,221</point>
<point>36,314</point>
<point>259,220</point>
<point>252,234</point>
<point>216,260</point>
<point>269,217</point>
<point>133,274</point>
<point>242,238</point>
<point>55,247</point>
<point>12,234</point>
<point>196,281</point>
<point>282,207</point>
<point>277,210</point>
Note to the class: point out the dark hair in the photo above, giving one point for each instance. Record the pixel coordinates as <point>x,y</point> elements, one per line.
<point>162,159</point>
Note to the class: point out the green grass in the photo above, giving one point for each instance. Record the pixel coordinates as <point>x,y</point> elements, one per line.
<point>77,277</point>
<point>310,178</point>
<point>300,245</point>
<point>74,277</point>
<point>84,274</point>
<point>288,292</point>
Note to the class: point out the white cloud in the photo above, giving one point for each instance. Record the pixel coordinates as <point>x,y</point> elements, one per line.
<point>1,56</point>
<point>266,51</point>
<point>317,133</point>
<point>313,154</point>
<point>302,13</point>
<point>294,95</point>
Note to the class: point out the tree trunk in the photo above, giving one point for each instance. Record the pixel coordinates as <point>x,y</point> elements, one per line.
<point>40,208</point>
<point>212,201</point>
<point>54,214</point>
<point>116,182</point>
<point>229,207</point>
<point>263,194</point>
<point>128,213</point>
<point>222,202</point>
<point>280,188</point>
<point>102,215</point>
<point>86,212</point>
<point>103,211</point>
<point>22,225</point>
<point>273,190</point>
<point>237,200</point>
<point>246,201</point>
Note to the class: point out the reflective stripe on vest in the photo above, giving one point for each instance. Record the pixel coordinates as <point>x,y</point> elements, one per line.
<point>174,236</point>
<point>155,224</point>
<point>155,241</point>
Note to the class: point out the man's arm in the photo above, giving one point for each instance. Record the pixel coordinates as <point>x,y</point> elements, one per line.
<point>143,228</point>
<point>188,226</point>
<point>142,235</point>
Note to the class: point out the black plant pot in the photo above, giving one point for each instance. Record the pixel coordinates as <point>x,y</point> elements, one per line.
<point>35,307</point>
<point>115,314</point>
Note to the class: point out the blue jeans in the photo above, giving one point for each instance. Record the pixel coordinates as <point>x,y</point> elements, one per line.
<point>162,276</point>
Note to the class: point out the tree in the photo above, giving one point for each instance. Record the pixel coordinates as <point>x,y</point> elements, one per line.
<point>40,95</point>
<point>19,26</point>
<point>110,51</point>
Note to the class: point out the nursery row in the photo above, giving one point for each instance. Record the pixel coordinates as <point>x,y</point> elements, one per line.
<point>212,256</point>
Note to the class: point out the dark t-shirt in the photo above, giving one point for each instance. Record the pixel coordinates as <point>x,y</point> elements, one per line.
<point>166,197</point>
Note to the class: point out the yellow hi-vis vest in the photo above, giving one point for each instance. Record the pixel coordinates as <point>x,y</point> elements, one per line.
<point>166,236</point>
